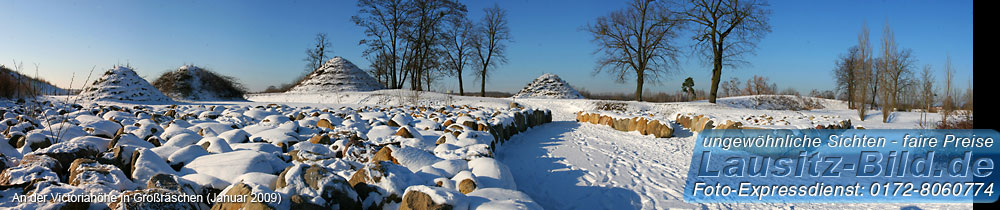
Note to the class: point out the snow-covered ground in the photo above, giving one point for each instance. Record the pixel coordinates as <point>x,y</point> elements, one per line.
<point>569,165</point>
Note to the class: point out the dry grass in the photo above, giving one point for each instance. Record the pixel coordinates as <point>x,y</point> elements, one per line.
<point>12,86</point>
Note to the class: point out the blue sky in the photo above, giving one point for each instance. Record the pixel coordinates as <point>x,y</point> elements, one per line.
<point>262,43</point>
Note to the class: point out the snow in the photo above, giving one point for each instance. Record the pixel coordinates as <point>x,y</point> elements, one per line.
<point>231,165</point>
<point>548,86</point>
<point>337,75</point>
<point>492,173</point>
<point>186,154</point>
<point>413,158</point>
<point>122,84</point>
<point>258,178</point>
<point>558,165</point>
<point>149,164</point>
<point>452,166</point>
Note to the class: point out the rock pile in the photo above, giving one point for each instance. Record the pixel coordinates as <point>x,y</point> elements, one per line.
<point>303,157</point>
<point>122,84</point>
<point>190,82</point>
<point>548,86</point>
<point>337,75</point>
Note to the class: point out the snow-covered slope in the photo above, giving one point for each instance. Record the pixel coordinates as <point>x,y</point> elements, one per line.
<point>337,75</point>
<point>122,84</point>
<point>190,82</point>
<point>548,86</point>
<point>43,87</point>
<point>781,102</point>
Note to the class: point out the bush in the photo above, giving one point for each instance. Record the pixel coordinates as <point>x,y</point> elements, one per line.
<point>962,120</point>
<point>611,106</point>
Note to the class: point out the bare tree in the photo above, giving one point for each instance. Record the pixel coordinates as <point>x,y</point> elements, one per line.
<point>967,105</point>
<point>894,68</point>
<point>733,87</point>
<point>863,72</point>
<point>425,37</point>
<point>316,56</point>
<point>458,48</point>
<point>727,30</point>
<point>384,22</point>
<point>490,43</point>
<point>926,94</point>
<point>948,102</point>
<point>636,41</point>
<point>759,85</point>
<point>844,72</point>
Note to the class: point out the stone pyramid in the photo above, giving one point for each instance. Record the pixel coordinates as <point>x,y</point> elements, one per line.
<point>548,86</point>
<point>337,75</point>
<point>122,84</point>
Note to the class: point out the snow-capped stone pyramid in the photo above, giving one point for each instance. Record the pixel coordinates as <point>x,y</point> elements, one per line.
<point>548,86</point>
<point>336,75</point>
<point>122,84</point>
<point>190,82</point>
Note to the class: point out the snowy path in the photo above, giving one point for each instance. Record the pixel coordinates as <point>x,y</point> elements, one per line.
<point>568,165</point>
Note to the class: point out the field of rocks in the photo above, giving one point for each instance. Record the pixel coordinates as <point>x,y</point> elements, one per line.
<point>286,157</point>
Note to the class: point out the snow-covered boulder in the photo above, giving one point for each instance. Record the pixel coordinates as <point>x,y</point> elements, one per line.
<point>548,86</point>
<point>427,197</point>
<point>318,186</point>
<point>231,165</point>
<point>190,82</point>
<point>122,84</point>
<point>337,75</point>
<point>492,173</point>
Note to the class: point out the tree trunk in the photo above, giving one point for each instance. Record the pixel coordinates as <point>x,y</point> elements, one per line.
<point>638,86</point>
<point>482,87</point>
<point>461,88</point>
<point>716,77</point>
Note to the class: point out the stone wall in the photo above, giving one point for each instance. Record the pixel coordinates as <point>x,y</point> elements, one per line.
<point>645,125</point>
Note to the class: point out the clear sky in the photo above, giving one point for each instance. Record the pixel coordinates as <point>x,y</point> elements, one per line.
<point>262,43</point>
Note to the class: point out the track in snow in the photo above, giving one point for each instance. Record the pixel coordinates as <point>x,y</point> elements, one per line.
<point>569,165</point>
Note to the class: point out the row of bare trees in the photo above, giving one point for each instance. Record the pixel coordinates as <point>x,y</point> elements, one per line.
<point>414,42</point>
<point>886,79</point>
<point>638,40</point>
<point>757,85</point>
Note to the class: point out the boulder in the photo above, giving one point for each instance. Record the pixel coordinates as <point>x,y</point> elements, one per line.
<point>317,185</point>
<point>384,154</point>
<point>172,183</point>
<point>320,139</point>
<point>658,129</point>
<point>702,124</point>
<point>87,171</point>
<point>642,125</point>
<point>135,202</point>
<point>404,132</point>
<point>245,191</point>
<point>324,123</point>
<point>421,197</point>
